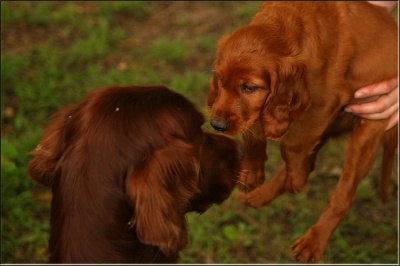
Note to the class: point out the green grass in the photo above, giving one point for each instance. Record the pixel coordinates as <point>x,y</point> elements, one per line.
<point>167,50</point>
<point>53,53</point>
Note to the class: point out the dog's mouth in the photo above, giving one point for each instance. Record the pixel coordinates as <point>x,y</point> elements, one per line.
<point>198,205</point>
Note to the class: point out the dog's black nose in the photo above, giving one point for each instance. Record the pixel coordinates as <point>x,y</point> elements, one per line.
<point>219,124</point>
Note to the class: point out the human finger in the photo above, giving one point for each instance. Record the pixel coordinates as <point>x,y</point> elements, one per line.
<point>383,87</point>
<point>380,105</point>
<point>380,115</point>
<point>393,121</point>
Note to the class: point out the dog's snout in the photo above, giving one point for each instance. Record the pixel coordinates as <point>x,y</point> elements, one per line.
<point>219,124</point>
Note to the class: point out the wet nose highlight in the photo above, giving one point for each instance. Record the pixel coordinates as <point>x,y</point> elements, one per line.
<point>219,124</point>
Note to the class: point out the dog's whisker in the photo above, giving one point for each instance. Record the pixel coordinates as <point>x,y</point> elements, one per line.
<point>240,182</point>
<point>248,133</point>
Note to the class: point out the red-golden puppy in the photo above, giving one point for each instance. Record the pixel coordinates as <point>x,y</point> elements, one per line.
<point>288,76</point>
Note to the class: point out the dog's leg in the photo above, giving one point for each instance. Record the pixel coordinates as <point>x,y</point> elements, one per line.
<point>291,176</point>
<point>298,152</point>
<point>389,149</point>
<point>361,149</point>
<point>252,169</point>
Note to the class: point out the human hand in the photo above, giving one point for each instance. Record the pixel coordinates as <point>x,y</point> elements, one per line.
<point>389,5</point>
<point>386,104</point>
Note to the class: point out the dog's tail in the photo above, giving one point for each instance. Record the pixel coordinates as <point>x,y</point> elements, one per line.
<point>390,141</point>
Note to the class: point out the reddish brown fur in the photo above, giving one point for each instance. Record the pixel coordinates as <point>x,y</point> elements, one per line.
<point>288,76</point>
<point>125,165</point>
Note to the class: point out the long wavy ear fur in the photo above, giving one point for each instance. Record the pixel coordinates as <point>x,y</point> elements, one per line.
<point>289,99</point>
<point>46,155</point>
<point>160,190</point>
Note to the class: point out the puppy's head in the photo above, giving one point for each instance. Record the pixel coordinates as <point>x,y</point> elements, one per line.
<point>258,76</point>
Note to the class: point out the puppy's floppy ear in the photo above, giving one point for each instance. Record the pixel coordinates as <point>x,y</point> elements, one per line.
<point>46,155</point>
<point>289,99</point>
<point>160,190</point>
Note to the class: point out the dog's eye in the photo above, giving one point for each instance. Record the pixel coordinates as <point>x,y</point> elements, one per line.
<point>247,88</point>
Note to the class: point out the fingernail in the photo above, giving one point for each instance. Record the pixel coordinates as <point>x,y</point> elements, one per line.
<point>348,109</point>
<point>359,94</point>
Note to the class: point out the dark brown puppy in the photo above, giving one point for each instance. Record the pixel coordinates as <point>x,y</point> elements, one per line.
<point>125,165</point>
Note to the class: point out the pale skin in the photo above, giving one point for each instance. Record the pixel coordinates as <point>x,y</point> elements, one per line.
<point>386,104</point>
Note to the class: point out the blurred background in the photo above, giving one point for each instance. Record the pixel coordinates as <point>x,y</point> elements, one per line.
<point>53,53</point>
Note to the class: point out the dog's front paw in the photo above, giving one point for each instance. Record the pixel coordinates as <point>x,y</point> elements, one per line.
<point>254,198</point>
<point>250,179</point>
<point>309,248</point>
